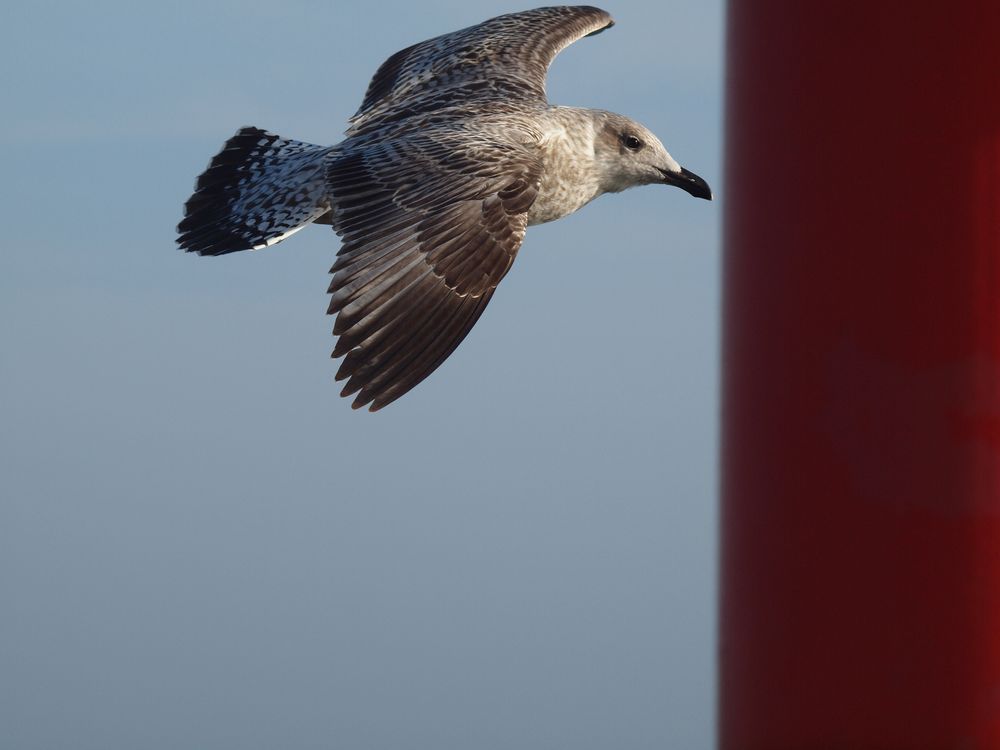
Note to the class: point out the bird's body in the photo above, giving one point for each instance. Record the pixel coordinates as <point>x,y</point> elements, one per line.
<point>453,153</point>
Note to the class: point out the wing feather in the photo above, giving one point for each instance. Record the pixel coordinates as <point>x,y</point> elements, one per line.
<point>501,61</point>
<point>430,224</point>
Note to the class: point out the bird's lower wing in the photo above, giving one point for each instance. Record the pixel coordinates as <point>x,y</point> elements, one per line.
<point>430,225</point>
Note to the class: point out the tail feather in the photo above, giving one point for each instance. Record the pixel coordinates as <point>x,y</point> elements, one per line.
<point>257,191</point>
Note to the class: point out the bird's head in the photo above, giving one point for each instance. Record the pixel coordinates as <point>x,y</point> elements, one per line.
<point>628,154</point>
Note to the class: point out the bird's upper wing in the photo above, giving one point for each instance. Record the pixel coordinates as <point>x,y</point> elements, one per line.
<point>430,224</point>
<point>504,59</point>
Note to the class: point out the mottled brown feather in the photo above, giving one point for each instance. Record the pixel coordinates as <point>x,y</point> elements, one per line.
<point>430,225</point>
<point>504,59</point>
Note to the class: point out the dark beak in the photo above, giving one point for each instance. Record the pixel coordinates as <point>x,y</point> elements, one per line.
<point>688,182</point>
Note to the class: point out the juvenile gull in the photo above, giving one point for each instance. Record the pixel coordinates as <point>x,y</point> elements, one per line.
<point>454,152</point>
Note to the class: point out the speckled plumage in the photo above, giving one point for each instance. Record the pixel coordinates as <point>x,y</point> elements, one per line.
<point>452,154</point>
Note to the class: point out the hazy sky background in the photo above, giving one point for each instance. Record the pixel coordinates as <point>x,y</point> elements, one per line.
<point>203,546</point>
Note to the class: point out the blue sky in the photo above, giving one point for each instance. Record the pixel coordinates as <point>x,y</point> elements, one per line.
<point>202,545</point>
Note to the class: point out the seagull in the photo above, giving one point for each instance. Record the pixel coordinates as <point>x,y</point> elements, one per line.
<point>453,153</point>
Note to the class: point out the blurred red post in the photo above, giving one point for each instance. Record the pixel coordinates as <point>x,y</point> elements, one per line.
<point>861,404</point>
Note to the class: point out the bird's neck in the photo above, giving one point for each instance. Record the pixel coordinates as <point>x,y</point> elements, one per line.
<point>570,177</point>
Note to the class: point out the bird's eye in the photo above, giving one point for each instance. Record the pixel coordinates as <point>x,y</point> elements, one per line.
<point>631,142</point>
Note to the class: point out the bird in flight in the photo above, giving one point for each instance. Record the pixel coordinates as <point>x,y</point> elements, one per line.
<point>454,152</point>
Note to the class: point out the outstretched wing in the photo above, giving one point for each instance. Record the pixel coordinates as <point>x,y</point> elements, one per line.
<point>504,59</point>
<point>430,224</point>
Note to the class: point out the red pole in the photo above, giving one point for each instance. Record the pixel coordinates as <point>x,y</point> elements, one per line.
<point>861,449</point>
